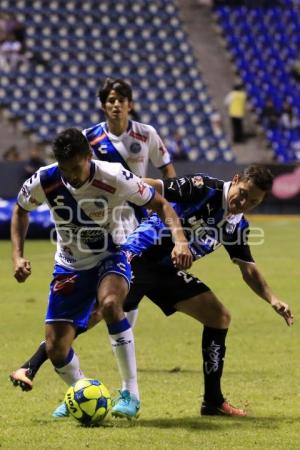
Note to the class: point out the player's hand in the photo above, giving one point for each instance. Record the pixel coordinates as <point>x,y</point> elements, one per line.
<point>181,255</point>
<point>283,310</point>
<point>22,269</point>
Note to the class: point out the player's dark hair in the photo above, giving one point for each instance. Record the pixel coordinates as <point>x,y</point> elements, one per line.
<point>69,143</point>
<point>117,84</point>
<point>261,176</point>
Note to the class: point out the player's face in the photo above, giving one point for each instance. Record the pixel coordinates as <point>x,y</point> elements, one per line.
<point>76,170</point>
<point>243,195</point>
<point>117,107</point>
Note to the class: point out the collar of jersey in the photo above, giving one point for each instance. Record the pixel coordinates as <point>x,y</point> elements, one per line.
<point>84,185</point>
<point>112,136</point>
<point>226,187</point>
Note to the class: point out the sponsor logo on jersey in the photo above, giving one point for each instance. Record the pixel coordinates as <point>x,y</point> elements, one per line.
<point>138,136</point>
<point>98,139</point>
<point>52,187</point>
<point>209,209</point>
<point>197,181</point>
<point>106,187</point>
<point>171,187</point>
<point>135,147</point>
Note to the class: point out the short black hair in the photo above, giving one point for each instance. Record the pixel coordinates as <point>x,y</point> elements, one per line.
<point>117,84</point>
<point>69,143</point>
<point>261,176</point>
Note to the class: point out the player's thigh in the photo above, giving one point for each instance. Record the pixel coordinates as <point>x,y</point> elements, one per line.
<point>206,308</point>
<point>114,278</point>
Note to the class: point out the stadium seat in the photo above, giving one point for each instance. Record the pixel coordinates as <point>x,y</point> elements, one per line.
<point>76,44</point>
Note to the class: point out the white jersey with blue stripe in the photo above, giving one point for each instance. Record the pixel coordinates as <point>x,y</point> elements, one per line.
<point>88,219</point>
<point>133,148</point>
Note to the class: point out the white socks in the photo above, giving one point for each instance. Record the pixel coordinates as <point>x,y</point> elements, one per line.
<point>132,316</point>
<point>70,372</point>
<point>122,341</point>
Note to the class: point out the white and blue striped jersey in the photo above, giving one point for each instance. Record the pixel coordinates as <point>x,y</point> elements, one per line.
<point>134,148</point>
<point>88,220</point>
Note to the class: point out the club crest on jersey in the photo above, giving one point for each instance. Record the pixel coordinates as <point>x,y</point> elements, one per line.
<point>135,147</point>
<point>230,227</point>
<point>197,181</point>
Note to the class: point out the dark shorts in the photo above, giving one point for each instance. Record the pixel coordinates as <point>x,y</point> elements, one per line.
<point>163,285</point>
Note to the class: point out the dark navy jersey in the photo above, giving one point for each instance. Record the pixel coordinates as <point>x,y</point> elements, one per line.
<point>201,203</point>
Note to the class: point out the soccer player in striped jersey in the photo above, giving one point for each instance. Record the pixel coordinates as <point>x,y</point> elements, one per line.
<point>129,142</point>
<point>121,140</point>
<point>87,199</point>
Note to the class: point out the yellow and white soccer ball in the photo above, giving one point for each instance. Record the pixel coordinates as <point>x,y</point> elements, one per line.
<point>88,401</point>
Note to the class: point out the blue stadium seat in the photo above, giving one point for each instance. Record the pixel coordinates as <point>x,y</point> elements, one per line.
<point>76,44</point>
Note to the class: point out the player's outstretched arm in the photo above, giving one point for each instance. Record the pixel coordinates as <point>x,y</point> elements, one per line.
<point>19,227</point>
<point>156,183</point>
<point>181,255</point>
<point>258,284</point>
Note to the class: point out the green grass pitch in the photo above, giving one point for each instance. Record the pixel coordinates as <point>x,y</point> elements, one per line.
<point>262,366</point>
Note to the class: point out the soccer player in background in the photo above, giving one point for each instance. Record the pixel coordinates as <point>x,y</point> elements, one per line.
<point>87,199</point>
<point>130,143</point>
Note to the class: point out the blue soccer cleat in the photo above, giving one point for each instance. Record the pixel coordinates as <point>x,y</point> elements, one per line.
<point>61,411</point>
<point>126,405</point>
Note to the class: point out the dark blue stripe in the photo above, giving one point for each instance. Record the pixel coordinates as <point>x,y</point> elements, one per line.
<point>67,360</point>
<point>116,328</point>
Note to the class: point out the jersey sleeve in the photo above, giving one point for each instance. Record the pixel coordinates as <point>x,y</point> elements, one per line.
<point>31,194</point>
<point>237,245</point>
<point>158,153</point>
<point>187,189</point>
<point>133,189</point>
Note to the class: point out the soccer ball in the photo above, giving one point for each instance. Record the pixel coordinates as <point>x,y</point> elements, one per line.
<point>88,401</point>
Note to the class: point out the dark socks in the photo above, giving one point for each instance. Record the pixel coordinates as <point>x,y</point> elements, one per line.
<point>38,358</point>
<point>34,363</point>
<point>213,352</point>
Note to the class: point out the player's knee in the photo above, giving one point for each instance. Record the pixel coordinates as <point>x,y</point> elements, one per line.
<point>110,308</point>
<point>225,317</point>
<point>221,316</point>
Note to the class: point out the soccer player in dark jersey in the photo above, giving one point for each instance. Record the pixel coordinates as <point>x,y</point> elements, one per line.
<point>211,212</point>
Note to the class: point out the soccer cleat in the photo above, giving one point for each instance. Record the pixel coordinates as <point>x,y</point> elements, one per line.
<point>61,411</point>
<point>126,405</point>
<point>22,378</point>
<point>225,409</point>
